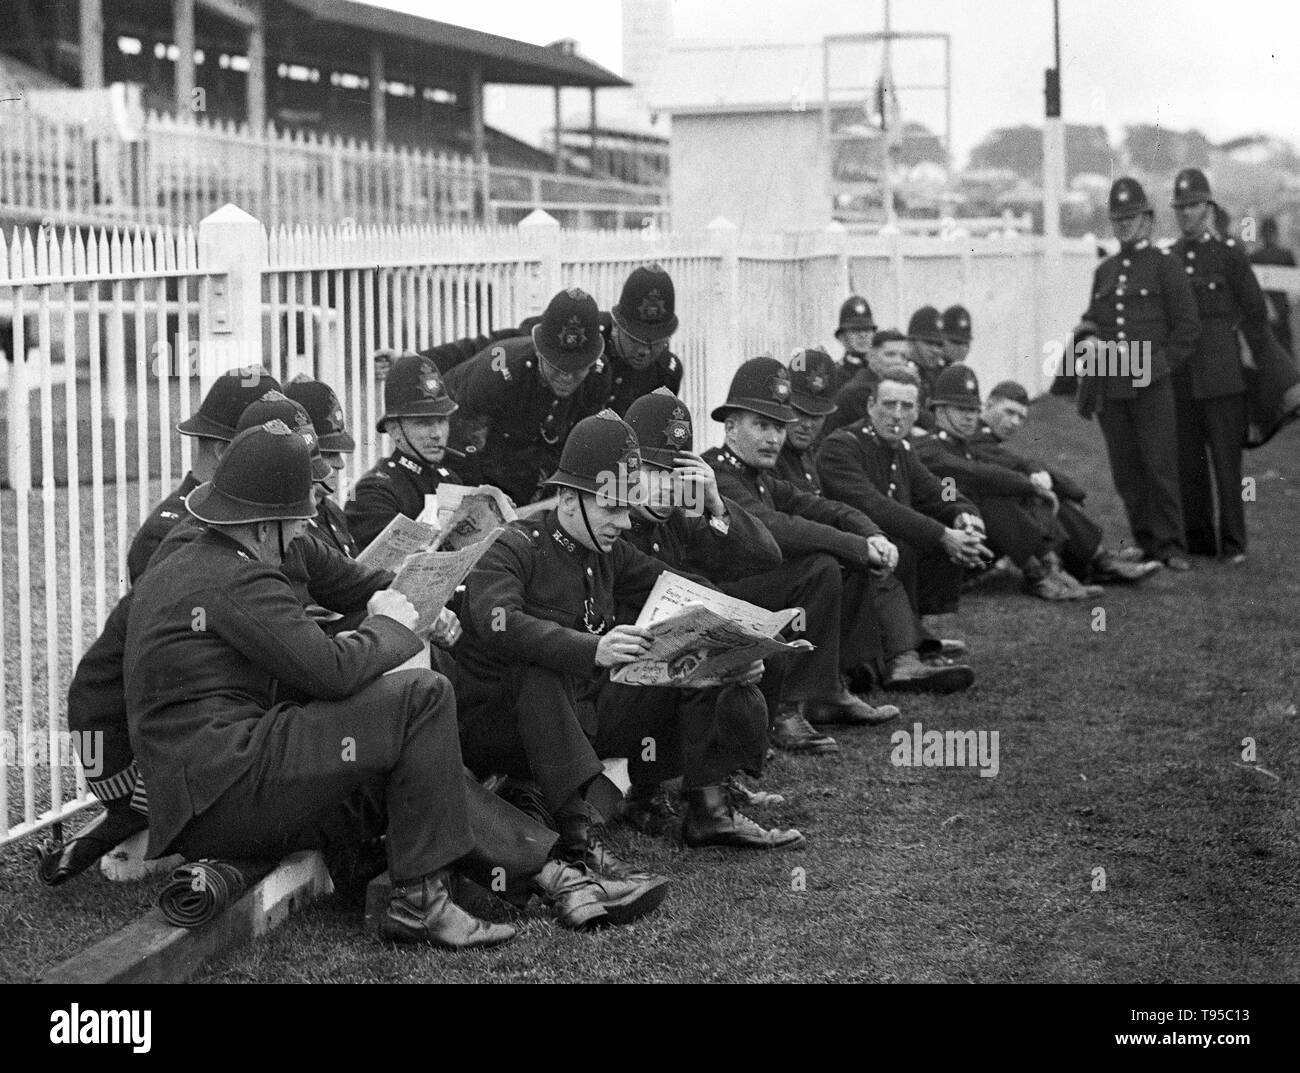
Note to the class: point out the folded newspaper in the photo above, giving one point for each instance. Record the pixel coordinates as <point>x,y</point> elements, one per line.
<point>702,636</point>
<point>429,578</point>
<point>401,537</point>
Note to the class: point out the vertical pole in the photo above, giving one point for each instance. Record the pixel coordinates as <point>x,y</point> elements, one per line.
<point>378,100</point>
<point>477,135</point>
<point>724,336</point>
<point>91,34</point>
<point>257,70</point>
<point>559,150</point>
<point>594,127</point>
<point>887,122</point>
<point>183,32</point>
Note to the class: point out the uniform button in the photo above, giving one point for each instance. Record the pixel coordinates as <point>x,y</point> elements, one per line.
<point>1191,254</point>
<point>1119,320</point>
<point>654,547</point>
<point>1119,292</point>
<point>1145,292</point>
<point>891,488</point>
<point>1126,262</point>
<point>618,379</point>
<point>1213,285</point>
<point>1119,305</point>
<point>589,571</point>
<point>1120,334</point>
<point>1123,278</point>
<point>1190,270</point>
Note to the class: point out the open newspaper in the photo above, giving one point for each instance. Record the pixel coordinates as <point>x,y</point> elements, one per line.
<point>428,578</point>
<point>401,537</point>
<point>701,636</point>
<point>466,515</point>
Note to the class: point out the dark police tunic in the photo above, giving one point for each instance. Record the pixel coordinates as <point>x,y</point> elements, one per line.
<point>851,400</point>
<point>799,468</point>
<point>1210,390</point>
<point>331,525</point>
<point>1081,535</point>
<point>211,632</point>
<point>522,425</point>
<point>159,523</point>
<point>815,536</point>
<point>1141,295</point>
<point>888,482</point>
<point>96,696</point>
<point>847,369</point>
<point>1018,522</point>
<point>535,608</point>
<point>628,384</point>
<point>397,485</point>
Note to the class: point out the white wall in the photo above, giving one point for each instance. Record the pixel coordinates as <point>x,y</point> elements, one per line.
<point>764,173</point>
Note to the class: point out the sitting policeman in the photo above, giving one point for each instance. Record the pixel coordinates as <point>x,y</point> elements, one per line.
<point>417,413</point>
<point>685,523</point>
<point>216,628</point>
<point>1083,554</point>
<point>540,636</point>
<point>1017,511</point>
<point>871,466</point>
<point>326,415</point>
<point>212,426</point>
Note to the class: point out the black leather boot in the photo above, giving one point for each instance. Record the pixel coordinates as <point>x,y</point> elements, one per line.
<point>711,820</point>
<point>582,841</point>
<point>422,912</point>
<point>649,810</point>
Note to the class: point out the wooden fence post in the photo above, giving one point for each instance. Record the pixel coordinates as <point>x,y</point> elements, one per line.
<point>230,335</point>
<point>540,234</point>
<point>724,333</point>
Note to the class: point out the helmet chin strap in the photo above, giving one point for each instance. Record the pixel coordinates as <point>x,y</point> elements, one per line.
<point>582,506</point>
<point>279,534</point>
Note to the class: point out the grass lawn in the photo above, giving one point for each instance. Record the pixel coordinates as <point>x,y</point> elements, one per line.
<point>1119,749</point>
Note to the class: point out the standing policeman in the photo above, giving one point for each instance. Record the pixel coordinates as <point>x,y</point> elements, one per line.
<point>640,331</point>
<point>956,334</point>
<point>417,412</point>
<point>1142,318</point>
<point>1209,391</point>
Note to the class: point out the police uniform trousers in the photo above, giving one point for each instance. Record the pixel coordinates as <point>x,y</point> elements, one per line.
<point>383,761</point>
<point>931,580</point>
<point>1019,528</point>
<point>552,729</point>
<point>1141,440</point>
<point>842,618</point>
<point>1080,537</point>
<point>1209,442</point>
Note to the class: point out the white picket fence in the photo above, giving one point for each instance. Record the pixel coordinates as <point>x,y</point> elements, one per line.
<point>117,334</point>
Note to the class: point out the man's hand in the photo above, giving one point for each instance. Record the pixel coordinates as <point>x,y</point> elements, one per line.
<point>623,644</point>
<point>698,482</point>
<point>965,546</point>
<point>394,605</point>
<point>744,676</point>
<point>1043,479</point>
<point>884,554</point>
<point>446,631</point>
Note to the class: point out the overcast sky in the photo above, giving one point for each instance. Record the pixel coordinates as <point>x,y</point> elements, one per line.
<point>1226,69</point>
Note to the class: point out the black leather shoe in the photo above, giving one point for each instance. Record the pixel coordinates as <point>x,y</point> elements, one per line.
<point>581,900</point>
<point>649,810</point>
<point>1178,563</point>
<point>423,912</point>
<point>57,861</point>
<point>712,821</point>
<point>583,842</point>
<point>908,674</point>
<point>848,709</point>
<point>1109,568</point>
<point>793,733</point>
